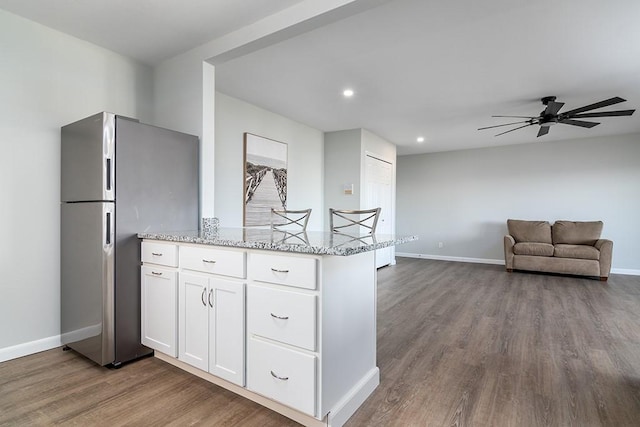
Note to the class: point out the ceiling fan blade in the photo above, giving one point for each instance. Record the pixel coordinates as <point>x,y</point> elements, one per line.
<point>514,129</point>
<point>519,117</point>
<point>506,124</point>
<point>580,123</point>
<point>553,108</point>
<point>605,103</point>
<point>543,131</point>
<point>604,114</point>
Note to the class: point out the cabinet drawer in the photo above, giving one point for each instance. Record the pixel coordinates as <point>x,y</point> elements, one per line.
<point>283,270</point>
<point>212,260</point>
<point>285,316</point>
<point>160,253</point>
<point>282,374</point>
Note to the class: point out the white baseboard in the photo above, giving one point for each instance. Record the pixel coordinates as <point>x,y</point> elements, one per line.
<point>28,348</point>
<point>624,271</point>
<point>451,258</point>
<point>345,408</point>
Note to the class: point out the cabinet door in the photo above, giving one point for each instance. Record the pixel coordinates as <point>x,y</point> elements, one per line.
<point>226,330</point>
<point>159,313</point>
<point>194,320</point>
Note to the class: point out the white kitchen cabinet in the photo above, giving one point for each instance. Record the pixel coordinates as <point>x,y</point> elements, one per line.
<point>282,315</point>
<point>194,320</point>
<point>226,330</point>
<point>309,339</point>
<point>211,318</point>
<point>159,297</point>
<point>159,317</point>
<point>283,374</point>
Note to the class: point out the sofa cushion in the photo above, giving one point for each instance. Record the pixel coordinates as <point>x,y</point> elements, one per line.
<point>576,251</point>
<point>533,248</point>
<point>576,232</point>
<point>529,231</point>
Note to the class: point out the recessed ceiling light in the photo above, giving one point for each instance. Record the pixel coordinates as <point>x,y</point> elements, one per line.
<point>420,139</point>
<point>348,93</point>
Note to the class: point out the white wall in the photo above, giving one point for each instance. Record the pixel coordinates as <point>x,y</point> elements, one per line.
<point>342,161</point>
<point>47,79</point>
<point>463,198</point>
<point>233,118</point>
<point>184,95</point>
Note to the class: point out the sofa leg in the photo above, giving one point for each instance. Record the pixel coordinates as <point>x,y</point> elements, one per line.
<point>509,270</point>
<point>603,279</point>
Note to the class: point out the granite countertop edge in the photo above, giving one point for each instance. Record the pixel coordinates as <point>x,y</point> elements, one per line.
<point>189,237</point>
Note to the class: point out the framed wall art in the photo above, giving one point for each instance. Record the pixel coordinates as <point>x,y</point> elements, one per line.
<point>265,175</point>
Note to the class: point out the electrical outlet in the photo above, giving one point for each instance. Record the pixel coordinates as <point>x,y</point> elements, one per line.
<point>440,245</point>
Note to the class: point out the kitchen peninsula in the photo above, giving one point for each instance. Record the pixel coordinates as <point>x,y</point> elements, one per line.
<point>287,320</point>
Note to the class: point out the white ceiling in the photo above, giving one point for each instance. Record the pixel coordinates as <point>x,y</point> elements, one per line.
<point>148,30</point>
<point>439,69</point>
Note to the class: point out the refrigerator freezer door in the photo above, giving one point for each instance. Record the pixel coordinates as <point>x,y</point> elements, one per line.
<point>86,279</point>
<point>157,175</point>
<point>88,159</point>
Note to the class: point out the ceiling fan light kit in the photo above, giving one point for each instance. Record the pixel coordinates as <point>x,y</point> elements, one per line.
<point>551,115</point>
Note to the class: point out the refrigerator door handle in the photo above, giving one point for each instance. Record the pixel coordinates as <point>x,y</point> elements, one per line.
<point>108,227</point>
<point>109,172</point>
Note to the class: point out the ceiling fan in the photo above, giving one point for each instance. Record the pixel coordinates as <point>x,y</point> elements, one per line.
<point>551,115</point>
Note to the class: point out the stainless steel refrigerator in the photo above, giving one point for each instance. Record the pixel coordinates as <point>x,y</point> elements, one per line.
<point>118,177</point>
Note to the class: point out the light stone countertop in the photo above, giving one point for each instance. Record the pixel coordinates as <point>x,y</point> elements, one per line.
<point>310,242</point>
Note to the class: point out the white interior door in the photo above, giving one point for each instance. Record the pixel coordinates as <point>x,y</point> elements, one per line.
<point>379,180</point>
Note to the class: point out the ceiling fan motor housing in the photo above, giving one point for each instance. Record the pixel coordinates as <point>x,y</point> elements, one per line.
<point>547,99</point>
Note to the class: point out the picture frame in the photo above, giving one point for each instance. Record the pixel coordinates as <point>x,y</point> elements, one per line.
<point>265,179</point>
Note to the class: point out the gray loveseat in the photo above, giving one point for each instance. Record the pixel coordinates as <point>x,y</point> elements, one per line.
<point>568,247</point>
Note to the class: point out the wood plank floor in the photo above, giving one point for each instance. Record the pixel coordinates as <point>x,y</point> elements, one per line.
<point>458,345</point>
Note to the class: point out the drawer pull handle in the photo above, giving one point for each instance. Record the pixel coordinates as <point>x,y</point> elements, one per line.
<point>279,378</point>
<point>156,254</point>
<point>279,317</point>
<point>156,274</point>
<point>204,292</point>
<point>279,271</point>
<point>209,261</point>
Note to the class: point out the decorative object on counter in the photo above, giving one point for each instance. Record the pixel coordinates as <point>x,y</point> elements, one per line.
<point>265,174</point>
<point>210,225</point>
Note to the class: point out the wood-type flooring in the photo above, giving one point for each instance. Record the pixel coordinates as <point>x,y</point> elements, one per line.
<point>458,345</point>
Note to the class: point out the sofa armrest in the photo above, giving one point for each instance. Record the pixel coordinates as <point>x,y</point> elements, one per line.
<point>605,247</point>
<point>509,242</point>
